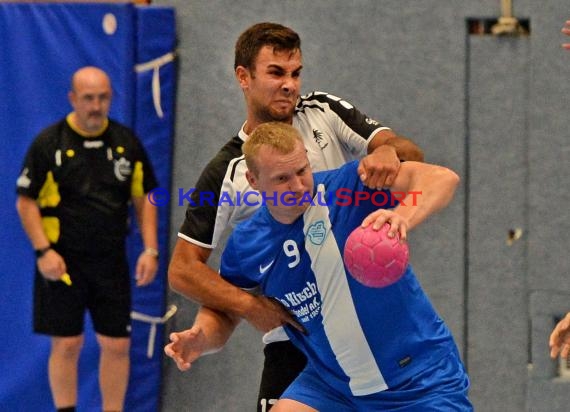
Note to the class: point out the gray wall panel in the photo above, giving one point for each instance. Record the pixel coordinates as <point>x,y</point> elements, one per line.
<point>549,239</point>
<point>497,93</point>
<point>549,153</point>
<point>403,62</point>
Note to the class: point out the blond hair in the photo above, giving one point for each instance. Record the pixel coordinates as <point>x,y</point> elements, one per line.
<point>278,135</point>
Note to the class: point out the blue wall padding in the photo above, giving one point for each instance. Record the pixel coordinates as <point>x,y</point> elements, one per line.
<point>155,39</point>
<point>42,45</point>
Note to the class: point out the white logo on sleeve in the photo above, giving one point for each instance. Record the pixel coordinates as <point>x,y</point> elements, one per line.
<point>265,268</point>
<point>24,181</point>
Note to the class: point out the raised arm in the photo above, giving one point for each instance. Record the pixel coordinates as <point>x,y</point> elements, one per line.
<point>404,148</point>
<point>422,189</point>
<point>379,168</point>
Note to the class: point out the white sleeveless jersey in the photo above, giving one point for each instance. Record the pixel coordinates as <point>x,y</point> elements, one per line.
<point>334,132</point>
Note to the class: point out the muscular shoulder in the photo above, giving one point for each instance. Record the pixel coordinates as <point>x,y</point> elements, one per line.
<point>322,109</point>
<point>257,238</point>
<point>323,101</point>
<point>223,164</point>
<point>206,218</point>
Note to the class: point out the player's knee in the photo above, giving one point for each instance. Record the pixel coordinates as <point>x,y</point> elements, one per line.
<point>114,346</point>
<point>67,347</point>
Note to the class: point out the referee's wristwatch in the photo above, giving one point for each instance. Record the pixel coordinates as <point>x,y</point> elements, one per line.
<point>151,251</point>
<point>41,252</point>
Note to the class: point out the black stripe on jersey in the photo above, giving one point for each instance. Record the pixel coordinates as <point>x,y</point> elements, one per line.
<point>302,106</point>
<point>201,218</point>
<point>308,101</point>
<point>232,174</point>
<point>213,174</point>
<point>351,116</point>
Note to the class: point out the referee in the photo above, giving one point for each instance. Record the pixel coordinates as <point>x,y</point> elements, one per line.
<point>74,190</point>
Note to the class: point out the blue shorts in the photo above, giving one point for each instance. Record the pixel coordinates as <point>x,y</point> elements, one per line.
<point>441,387</point>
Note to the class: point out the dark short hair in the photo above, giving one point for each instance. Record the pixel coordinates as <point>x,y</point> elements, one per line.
<point>264,34</point>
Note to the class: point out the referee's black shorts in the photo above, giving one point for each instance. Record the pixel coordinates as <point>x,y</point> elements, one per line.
<point>100,285</point>
<point>283,363</point>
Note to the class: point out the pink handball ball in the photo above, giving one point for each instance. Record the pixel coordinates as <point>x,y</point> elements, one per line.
<point>373,259</point>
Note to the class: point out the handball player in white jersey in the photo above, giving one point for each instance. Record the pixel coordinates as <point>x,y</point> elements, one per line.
<point>268,65</point>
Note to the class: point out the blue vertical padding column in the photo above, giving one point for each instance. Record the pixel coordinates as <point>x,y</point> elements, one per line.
<point>154,124</point>
<point>41,46</point>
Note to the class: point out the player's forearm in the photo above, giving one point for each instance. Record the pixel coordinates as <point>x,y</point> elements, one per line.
<point>427,193</point>
<point>31,220</point>
<point>216,326</point>
<point>405,148</point>
<point>191,277</point>
<point>201,284</point>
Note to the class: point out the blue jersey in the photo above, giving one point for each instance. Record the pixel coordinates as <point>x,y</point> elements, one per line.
<point>361,339</point>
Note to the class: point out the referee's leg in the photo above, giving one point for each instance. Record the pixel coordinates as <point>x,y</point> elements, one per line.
<point>283,363</point>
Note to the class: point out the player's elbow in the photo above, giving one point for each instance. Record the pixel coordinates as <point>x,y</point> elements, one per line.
<point>24,204</point>
<point>417,155</point>
<point>452,178</point>
<point>448,179</point>
<point>178,262</point>
<point>174,277</point>
<point>184,268</point>
<point>180,277</point>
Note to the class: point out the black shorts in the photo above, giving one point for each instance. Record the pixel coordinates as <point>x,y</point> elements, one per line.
<point>100,285</point>
<point>283,363</point>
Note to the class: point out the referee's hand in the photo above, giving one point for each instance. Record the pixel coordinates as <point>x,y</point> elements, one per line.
<point>147,266</point>
<point>51,265</point>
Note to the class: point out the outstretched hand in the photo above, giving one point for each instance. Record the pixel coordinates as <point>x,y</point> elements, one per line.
<point>560,338</point>
<point>186,346</point>
<point>398,223</point>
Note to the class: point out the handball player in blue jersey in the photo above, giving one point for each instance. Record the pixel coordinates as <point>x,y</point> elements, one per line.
<point>268,67</point>
<point>368,349</point>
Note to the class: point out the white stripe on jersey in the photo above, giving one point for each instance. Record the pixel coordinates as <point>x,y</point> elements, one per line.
<point>233,185</point>
<point>340,320</point>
